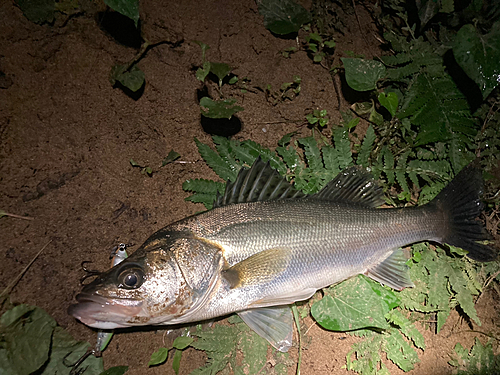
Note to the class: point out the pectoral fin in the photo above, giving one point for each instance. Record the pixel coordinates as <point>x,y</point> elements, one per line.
<point>275,324</point>
<point>260,268</point>
<point>393,271</point>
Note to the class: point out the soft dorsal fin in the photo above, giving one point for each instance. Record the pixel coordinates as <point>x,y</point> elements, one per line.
<point>263,183</point>
<point>352,185</point>
<point>259,183</point>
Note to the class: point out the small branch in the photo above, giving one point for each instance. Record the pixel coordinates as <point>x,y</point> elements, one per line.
<point>14,282</point>
<point>3,213</point>
<point>139,55</point>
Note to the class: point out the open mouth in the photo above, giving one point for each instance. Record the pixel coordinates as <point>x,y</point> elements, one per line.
<point>104,313</point>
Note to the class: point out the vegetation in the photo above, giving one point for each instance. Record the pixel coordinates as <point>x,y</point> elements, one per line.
<point>423,131</point>
<point>424,128</point>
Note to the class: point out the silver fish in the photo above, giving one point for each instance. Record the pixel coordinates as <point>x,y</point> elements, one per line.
<point>265,245</point>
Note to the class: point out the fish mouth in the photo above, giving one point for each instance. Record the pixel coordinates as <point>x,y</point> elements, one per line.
<point>105,313</point>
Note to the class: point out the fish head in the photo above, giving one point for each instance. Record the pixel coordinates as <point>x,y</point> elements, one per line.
<point>146,288</point>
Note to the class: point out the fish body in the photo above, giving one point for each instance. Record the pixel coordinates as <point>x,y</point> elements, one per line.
<point>267,245</point>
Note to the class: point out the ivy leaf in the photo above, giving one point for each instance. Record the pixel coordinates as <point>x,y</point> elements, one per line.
<point>182,342</point>
<point>172,155</point>
<point>21,327</point>
<point>40,11</point>
<point>158,357</point>
<point>133,78</point>
<point>389,101</point>
<point>219,108</point>
<point>362,75</point>
<point>203,72</point>
<point>479,56</point>
<point>283,16</point>
<point>129,8</point>
<point>176,361</point>
<point>221,70</point>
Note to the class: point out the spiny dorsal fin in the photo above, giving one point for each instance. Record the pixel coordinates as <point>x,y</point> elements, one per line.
<point>259,183</point>
<point>352,185</point>
<point>263,183</point>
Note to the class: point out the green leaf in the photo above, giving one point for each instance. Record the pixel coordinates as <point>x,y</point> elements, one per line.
<point>348,311</point>
<point>204,48</point>
<point>117,370</point>
<point>399,351</point>
<point>129,8</point>
<point>256,149</point>
<point>406,327</point>
<point>172,155</point>
<point>480,361</point>
<point>219,109</point>
<point>176,361</point>
<point>21,327</point>
<point>330,43</point>
<point>313,155</point>
<point>366,147</point>
<point>182,342</point>
<point>219,344</point>
<point>283,16</point>
<point>221,70</point>
<point>39,11</point>
<point>479,56</point>
<point>367,356</point>
<point>158,357</point>
<point>133,78</point>
<point>389,101</point>
<point>255,349</point>
<point>214,161</point>
<point>25,325</point>
<point>343,147</point>
<point>203,72</point>
<point>362,75</point>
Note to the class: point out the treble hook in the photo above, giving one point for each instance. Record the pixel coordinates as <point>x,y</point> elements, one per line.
<point>75,367</point>
<point>90,273</point>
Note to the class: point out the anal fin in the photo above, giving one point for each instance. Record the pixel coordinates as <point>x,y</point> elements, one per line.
<point>275,324</point>
<point>392,271</point>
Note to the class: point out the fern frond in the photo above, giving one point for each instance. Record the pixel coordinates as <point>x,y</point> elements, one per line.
<point>256,149</point>
<point>366,147</point>
<point>225,170</point>
<point>343,147</point>
<point>312,153</point>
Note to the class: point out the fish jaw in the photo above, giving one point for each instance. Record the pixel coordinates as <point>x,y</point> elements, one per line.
<point>105,313</point>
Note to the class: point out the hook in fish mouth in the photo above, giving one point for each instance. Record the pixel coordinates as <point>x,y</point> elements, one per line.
<point>89,273</point>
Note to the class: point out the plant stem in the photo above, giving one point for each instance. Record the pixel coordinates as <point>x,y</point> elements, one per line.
<point>3,213</point>
<point>297,323</point>
<point>14,282</point>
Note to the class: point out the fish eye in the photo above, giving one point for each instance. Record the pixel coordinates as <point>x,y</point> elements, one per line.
<point>131,278</point>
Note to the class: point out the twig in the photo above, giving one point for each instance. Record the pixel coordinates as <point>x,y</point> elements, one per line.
<point>3,213</point>
<point>14,282</point>
<point>488,281</point>
<point>297,323</point>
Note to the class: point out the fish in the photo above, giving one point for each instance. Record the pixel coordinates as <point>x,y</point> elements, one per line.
<point>266,245</point>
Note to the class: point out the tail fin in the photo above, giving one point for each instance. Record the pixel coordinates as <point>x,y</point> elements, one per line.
<point>460,200</point>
